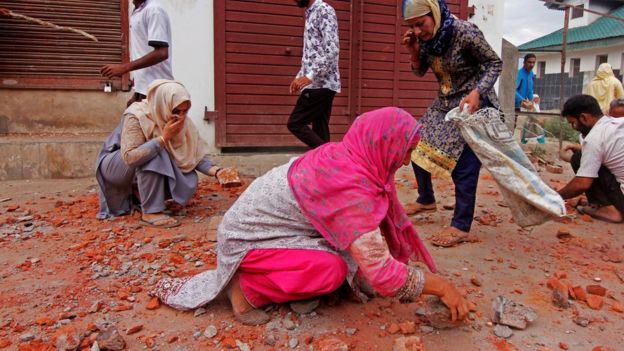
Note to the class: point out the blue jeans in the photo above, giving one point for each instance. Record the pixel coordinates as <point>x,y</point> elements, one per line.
<point>465,177</point>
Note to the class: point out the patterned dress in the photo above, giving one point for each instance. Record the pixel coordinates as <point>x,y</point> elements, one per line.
<point>469,63</point>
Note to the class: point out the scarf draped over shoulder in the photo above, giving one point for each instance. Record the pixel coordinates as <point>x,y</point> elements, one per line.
<point>346,189</point>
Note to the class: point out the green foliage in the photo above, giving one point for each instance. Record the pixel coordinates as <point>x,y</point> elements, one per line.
<point>552,127</point>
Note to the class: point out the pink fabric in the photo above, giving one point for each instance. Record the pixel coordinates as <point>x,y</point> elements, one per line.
<point>347,188</point>
<point>281,275</point>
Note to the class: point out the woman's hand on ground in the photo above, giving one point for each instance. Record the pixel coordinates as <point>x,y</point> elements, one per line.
<point>472,100</point>
<point>455,302</point>
<point>173,127</point>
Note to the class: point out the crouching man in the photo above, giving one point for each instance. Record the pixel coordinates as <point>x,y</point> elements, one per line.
<point>599,167</point>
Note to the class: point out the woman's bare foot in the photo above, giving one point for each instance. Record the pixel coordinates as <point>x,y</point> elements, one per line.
<point>450,236</point>
<point>244,312</point>
<point>416,208</point>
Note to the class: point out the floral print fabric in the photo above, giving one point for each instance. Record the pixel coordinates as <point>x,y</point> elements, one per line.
<point>470,63</point>
<point>321,47</point>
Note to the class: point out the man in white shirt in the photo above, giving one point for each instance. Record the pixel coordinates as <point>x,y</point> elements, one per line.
<point>150,48</point>
<point>599,166</point>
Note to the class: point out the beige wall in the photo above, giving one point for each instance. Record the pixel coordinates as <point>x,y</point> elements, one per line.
<point>60,111</point>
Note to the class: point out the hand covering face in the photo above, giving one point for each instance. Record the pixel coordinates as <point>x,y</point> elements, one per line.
<point>153,113</point>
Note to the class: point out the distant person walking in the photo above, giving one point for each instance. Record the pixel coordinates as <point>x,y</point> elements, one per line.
<point>524,83</point>
<point>605,87</point>
<point>318,80</point>
<point>150,43</point>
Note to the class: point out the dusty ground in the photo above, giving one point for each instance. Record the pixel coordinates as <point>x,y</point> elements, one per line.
<point>63,272</point>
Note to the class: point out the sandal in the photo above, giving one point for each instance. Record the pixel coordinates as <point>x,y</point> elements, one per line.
<point>154,222</point>
<point>417,208</point>
<point>592,211</point>
<point>451,237</point>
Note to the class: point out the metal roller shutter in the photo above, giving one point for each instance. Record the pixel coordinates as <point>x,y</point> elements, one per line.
<point>34,56</point>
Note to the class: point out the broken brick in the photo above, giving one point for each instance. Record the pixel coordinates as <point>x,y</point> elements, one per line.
<point>594,301</point>
<point>596,290</point>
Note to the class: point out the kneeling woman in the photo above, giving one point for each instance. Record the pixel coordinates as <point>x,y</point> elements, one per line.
<point>154,151</point>
<point>304,227</point>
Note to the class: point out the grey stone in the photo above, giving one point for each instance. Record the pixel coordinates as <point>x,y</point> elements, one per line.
<point>426,329</point>
<point>242,346</point>
<point>510,313</point>
<point>95,346</point>
<point>582,321</point>
<point>305,306</point>
<point>210,332</point>
<point>351,331</point>
<point>503,331</point>
<point>110,340</point>
<point>560,298</point>
<point>27,337</point>
<point>293,342</point>
<point>198,312</point>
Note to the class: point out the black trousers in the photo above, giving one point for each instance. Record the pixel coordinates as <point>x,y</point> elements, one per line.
<point>313,107</point>
<point>605,190</point>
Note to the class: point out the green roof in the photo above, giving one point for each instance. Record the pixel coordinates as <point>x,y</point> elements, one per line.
<point>602,28</point>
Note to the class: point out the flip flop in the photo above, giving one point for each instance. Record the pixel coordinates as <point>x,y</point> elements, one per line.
<point>420,208</point>
<point>591,211</point>
<point>456,239</point>
<point>152,222</point>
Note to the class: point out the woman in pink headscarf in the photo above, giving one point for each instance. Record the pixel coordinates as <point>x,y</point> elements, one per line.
<point>304,227</point>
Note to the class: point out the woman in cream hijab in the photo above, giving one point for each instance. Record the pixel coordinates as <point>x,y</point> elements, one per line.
<point>605,87</point>
<point>156,151</point>
<point>466,68</point>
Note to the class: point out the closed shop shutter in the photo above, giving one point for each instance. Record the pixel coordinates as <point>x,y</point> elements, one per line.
<point>258,48</point>
<point>258,53</point>
<point>386,78</point>
<point>34,56</point>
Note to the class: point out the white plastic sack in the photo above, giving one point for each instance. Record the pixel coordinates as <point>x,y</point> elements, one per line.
<point>530,200</point>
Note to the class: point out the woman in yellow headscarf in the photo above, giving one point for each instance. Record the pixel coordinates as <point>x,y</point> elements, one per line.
<point>466,68</point>
<point>605,87</point>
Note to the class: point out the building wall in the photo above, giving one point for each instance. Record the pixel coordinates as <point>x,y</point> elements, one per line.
<point>193,57</point>
<point>588,59</point>
<point>489,17</point>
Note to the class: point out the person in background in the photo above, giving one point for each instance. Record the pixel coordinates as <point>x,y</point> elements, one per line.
<point>466,68</point>
<point>605,87</point>
<point>150,48</point>
<point>616,108</point>
<point>152,155</point>
<point>599,166</point>
<point>524,83</point>
<point>318,80</point>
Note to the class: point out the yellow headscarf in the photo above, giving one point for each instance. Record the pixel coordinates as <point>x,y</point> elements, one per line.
<point>417,8</point>
<point>186,148</point>
<point>605,87</point>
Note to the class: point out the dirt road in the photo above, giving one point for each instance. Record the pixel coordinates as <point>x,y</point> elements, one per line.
<point>66,277</point>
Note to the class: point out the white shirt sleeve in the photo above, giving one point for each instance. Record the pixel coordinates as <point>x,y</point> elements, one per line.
<point>591,159</point>
<point>158,27</point>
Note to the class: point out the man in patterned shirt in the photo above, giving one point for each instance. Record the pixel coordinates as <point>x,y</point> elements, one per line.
<point>318,80</point>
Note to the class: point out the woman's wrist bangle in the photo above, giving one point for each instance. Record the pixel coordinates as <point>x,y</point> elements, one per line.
<point>217,171</point>
<point>161,140</point>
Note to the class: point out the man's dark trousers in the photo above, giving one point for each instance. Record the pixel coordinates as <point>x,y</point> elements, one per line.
<point>313,107</point>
